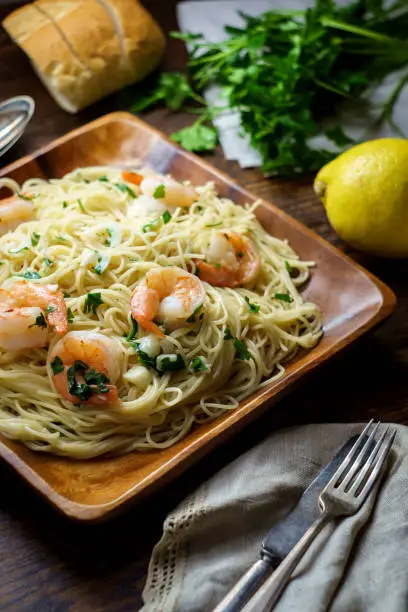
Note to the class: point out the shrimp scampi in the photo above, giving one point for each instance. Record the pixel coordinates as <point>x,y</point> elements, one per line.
<point>232,260</point>
<point>26,310</point>
<point>85,367</point>
<point>171,295</point>
<point>13,211</point>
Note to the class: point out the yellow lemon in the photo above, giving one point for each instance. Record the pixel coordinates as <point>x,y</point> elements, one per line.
<point>365,193</point>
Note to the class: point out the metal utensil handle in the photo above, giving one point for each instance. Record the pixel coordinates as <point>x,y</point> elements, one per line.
<point>250,582</point>
<point>268,594</point>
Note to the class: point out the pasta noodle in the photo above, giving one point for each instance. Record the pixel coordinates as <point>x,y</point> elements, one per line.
<point>90,235</point>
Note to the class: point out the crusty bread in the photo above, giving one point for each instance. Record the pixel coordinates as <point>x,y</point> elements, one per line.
<point>85,49</point>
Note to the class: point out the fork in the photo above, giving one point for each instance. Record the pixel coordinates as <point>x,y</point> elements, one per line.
<point>344,494</point>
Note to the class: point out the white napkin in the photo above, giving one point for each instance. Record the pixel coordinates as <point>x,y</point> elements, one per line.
<point>358,564</point>
<point>208,17</point>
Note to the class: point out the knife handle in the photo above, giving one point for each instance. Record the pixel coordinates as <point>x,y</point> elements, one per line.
<point>250,582</point>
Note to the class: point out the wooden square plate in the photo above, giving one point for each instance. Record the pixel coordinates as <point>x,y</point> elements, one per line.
<point>351,299</point>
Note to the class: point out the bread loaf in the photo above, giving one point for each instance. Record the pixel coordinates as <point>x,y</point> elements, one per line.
<point>83,50</point>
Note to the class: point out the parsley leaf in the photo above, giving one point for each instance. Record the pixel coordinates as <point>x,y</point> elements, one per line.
<point>49,309</point>
<point>198,364</point>
<point>125,189</point>
<point>27,198</point>
<point>81,206</point>
<point>192,317</point>
<point>103,179</point>
<point>64,204</point>
<point>288,267</point>
<point>252,307</point>
<point>159,192</point>
<point>30,275</point>
<point>70,316</point>
<point>241,348</point>
<point>47,262</point>
<point>57,365</point>
<point>172,88</point>
<point>227,334</point>
<point>284,297</point>
<point>133,331</point>
<point>92,301</point>
<point>35,239</point>
<point>39,321</point>
<point>166,216</point>
<point>170,363</point>
<point>197,137</point>
<point>144,358</point>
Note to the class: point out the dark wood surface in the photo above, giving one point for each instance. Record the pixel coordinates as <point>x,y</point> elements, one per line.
<point>49,564</point>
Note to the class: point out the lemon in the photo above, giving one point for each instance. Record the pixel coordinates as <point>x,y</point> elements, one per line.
<point>365,193</point>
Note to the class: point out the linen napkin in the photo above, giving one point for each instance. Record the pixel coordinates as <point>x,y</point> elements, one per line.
<point>357,564</point>
<point>208,17</point>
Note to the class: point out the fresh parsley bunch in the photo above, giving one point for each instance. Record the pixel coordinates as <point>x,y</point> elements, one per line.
<point>285,72</point>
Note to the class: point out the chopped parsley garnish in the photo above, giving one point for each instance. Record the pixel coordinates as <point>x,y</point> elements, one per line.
<point>64,204</point>
<point>125,189</point>
<point>170,363</point>
<point>66,295</point>
<point>49,309</point>
<point>166,216</point>
<point>217,265</point>
<point>102,264</point>
<point>35,238</point>
<point>94,381</point>
<point>241,348</point>
<point>150,226</point>
<point>39,321</point>
<point>57,366</point>
<point>81,206</point>
<point>144,358</point>
<point>240,254</point>
<point>15,251</point>
<point>288,267</point>
<point>192,317</point>
<point>103,179</point>
<point>284,297</point>
<point>92,301</point>
<point>47,262</point>
<point>133,331</point>
<point>159,192</point>
<point>70,316</point>
<point>227,334</point>
<point>214,224</point>
<point>197,364</point>
<point>30,275</point>
<point>252,307</point>
<point>108,240</point>
<point>199,208</point>
<point>61,238</point>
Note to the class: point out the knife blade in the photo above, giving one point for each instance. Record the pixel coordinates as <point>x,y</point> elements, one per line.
<point>283,536</point>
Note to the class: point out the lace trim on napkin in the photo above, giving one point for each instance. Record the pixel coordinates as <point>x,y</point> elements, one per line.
<point>167,563</point>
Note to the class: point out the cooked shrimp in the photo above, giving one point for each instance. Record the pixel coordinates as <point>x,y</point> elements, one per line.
<point>22,328</point>
<point>14,211</point>
<point>47,297</point>
<point>233,260</point>
<point>170,294</point>
<point>169,191</point>
<point>86,366</point>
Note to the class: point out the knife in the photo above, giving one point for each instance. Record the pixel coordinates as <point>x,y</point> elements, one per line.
<point>283,536</point>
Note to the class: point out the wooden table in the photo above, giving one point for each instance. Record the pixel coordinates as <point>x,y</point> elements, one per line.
<point>49,564</point>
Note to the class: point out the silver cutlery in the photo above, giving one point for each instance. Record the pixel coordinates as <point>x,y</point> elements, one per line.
<point>343,496</point>
<point>283,536</point>
<point>15,114</point>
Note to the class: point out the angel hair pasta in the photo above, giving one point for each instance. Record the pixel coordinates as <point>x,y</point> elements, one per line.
<point>133,307</point>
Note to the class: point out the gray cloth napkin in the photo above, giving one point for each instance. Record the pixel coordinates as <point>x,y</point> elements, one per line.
<point>358,563</point>
<point>208,17</point>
